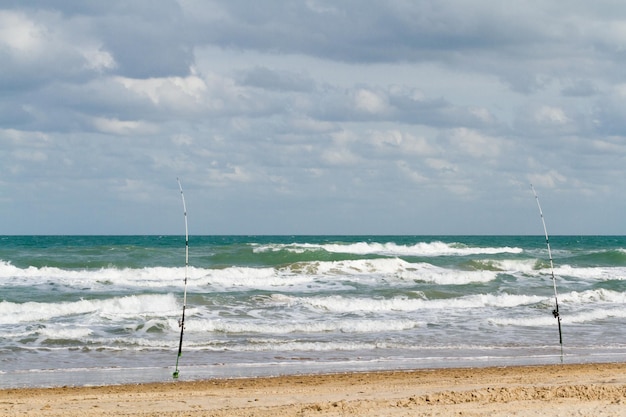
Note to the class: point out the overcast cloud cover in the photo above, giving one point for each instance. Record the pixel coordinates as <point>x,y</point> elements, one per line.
<point>312,117</point>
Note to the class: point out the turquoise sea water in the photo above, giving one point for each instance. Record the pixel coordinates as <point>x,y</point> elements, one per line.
<point>89,310</point>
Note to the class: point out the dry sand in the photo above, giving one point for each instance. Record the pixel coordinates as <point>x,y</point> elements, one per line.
<point>557,390</point>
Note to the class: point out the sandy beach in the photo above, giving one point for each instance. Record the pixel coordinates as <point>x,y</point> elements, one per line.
<point>554,390</point>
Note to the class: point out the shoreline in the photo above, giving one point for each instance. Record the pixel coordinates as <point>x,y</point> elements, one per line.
<point>555,390</point>
<point>193,370</point>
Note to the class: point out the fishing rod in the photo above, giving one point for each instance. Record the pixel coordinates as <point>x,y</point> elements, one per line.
<point>181,322</point>
<point>555,312</point>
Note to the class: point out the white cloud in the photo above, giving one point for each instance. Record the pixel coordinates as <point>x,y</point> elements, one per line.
<point>403,142</point>
<point>133,190</point>
<point>474,143</point>
<point>19,33</point>
<point>370,101</point>
<point>441,165</point>
<point>181,139</point>
<point>482,113</point>
<point>551,115</point>
<point>412,174</point>
<point>171,91</point>
<point>339,153</point>
<point>549,179</point>
<point>25,137</point>
<point>310,125</point>
<point>230,174</point>
<point>611,145</point>
<point>98,59</point>
<point>124,127</point>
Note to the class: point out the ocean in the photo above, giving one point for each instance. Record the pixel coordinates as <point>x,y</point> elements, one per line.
<point>93,310</point>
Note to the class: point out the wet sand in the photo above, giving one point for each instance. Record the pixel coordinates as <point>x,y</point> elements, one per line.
<point>555,390</point>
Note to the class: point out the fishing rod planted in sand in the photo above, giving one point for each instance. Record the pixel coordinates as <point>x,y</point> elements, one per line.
<point>555,312</point>
<point>181,322</point>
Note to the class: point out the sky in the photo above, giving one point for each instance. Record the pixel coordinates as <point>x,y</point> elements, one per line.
<point>312,117</point>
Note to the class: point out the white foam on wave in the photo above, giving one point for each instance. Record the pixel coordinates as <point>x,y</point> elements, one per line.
<point>396,270</point>
<point>513,265</point>
<point>251,278</point>
<point>149,277</point>
<point>299,275</point>
<point>599,273</point>
<point>524,321</point>
<point>575,307</point>
<point>546,319</point>
<point>319,273</point>
<point>594,315</point>
<point>64,331</point>
<point>304,326</point>
<point>595,273</point>
<point>288,347</point>
<point>342,304</point>
<point>432,274</point>
<point>111,309</point>
<point>594,297</point>
<point>367,271</point>
<point>436,248</point>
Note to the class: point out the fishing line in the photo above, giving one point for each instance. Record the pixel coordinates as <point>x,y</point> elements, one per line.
<point>555,312</point>
<point>181,322</point>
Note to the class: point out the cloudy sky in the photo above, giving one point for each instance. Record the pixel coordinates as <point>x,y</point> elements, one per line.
<point>312,116</point>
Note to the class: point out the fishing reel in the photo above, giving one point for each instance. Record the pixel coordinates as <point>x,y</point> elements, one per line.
<point>555,313</point>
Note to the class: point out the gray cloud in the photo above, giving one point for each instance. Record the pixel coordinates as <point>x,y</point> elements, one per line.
<point>266,78</point>
<point>312,116</point>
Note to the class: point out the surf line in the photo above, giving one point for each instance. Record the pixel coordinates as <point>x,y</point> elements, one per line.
<point>181,322</point>
<point>555,312</point>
